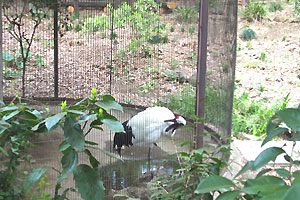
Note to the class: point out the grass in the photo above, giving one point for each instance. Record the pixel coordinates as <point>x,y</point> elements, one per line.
<point>248,116</point>
<point>184,103</point>
<point>251,117</point>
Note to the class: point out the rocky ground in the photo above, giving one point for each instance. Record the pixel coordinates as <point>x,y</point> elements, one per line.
<point>269,67</point>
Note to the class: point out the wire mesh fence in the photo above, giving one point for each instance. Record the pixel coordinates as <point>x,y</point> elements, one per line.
<point>142,52</point>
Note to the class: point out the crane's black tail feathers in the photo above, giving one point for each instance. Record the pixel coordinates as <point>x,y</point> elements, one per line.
<point>123,139</point>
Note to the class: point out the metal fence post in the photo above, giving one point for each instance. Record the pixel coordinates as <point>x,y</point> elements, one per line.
<point>201,71</point>
<point>56,50</point>
<point>1,55</point>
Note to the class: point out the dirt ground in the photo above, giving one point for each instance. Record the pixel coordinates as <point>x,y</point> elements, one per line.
<point>273,77</point>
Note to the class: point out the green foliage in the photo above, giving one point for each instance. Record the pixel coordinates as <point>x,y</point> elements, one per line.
<point>187,14</point>
<point>194,167</point>
<point>254,11</point>
<point>251,117</point>
<point>15,138</point>
<point>248,34</point>
<point>184,102</point>
<point>263,56</point>
<point>199,176</point>
<point>275,6</point>
<point>19,124</point>
<point>96,23</point>
<point>172,29</point>
<point>192,30</point>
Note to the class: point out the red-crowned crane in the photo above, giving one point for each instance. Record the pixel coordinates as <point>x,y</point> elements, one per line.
<point>145,128</point>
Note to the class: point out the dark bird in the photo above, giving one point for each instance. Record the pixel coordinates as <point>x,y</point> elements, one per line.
<point>145,128</point>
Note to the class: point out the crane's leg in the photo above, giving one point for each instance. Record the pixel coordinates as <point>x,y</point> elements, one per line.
<point>149,163</point>
<point>149,158</point>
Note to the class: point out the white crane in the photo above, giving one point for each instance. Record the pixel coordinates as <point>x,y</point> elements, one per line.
<point>145,128</point>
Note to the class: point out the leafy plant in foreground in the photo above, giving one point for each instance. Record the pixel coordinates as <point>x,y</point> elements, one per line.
<point>194,167</point>
<point>285,184</point>
<point>19,124</point>
<point>15,139</point>
<point>74,120</point>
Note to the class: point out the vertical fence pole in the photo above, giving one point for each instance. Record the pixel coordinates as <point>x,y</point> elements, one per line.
<point>76,6</point>
<point>201,70</point>
<point>56,50</point>
<point>1,53</point>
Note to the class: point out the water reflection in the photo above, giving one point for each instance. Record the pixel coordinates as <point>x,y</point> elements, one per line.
<point>120,175</point>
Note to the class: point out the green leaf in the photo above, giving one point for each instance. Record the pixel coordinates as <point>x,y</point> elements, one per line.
<point>212,183</point>
<point>34,176</point>
<point>88,183</point>
<point>93,161</point>
<point>108,98</point>
<point>248,166</point>
<point>33,114</point>
<point>228,195</point>
<point>273,129</point>
<point>91,143</point>
<point>77,112</point>
<point>106,152</point>
<point>69,162</point>
<point>262,172</point>
<point>291,117</point>
<point>293,193</point>
<point>73,133</point>
<point>64,146</point>
<point>12,114</point>
<point>269,154</point>
<point>8,108</point>
<point>86,118</point>
<point>263,185</point>
<point>52,121</point>
<point>109,105</point>
<point>113,125</point>
<point>283,173</point>
<point>275,195</point>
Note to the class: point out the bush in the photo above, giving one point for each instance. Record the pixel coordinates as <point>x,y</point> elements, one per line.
<point>187,14</point>
<point>254,11</point>
<point>275,6</point>
<point>19,124</point>
<point>248,34</point>
<point>251,117</point>
<point>199,174</point>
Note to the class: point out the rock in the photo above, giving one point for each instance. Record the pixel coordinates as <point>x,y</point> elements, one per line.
<point>280,18</point>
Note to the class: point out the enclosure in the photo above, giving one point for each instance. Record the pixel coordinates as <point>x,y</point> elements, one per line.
<point>143,53</point>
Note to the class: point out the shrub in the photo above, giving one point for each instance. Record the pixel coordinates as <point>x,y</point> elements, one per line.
<point>275,6</point>
<point>248,34</point>
<point>20,123</point>
<point>199,174</point>
<point>251,117</point>
<point>254,11</point>
<point>187,14</point>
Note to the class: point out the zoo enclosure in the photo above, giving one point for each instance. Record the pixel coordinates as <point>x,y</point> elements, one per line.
<point>141,57</point>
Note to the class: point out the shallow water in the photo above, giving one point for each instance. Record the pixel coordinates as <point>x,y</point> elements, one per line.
<point>121,175</point>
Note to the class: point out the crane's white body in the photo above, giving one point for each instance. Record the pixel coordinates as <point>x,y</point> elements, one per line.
<point>145,128</point>
<point>148,125</point>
